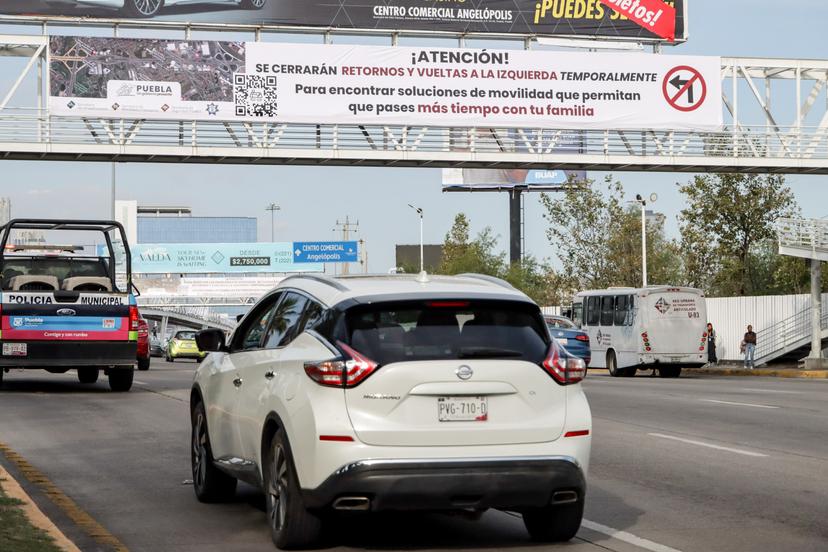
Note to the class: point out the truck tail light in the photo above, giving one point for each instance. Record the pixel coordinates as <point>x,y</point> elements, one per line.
<point>133,318</point>
<point>564,370</point>
<point>347,371</point>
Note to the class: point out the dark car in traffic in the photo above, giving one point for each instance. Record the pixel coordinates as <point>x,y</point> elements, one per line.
<point>574,340</point>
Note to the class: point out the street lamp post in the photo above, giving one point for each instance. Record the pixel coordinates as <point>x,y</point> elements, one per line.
<point>641,201</point>
<point>420,212</point>
<point>273,207</point>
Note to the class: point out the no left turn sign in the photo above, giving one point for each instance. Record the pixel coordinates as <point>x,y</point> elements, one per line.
<point>684,88</point>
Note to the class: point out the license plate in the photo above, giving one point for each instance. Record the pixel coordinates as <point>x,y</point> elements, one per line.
<point>462,409</point>
<point>15,349</point>
<point>563,341</point>
<point>675,359</point>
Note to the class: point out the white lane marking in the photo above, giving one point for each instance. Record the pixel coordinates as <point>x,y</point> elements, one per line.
<point>739,404</point>
<point>629,538</point>
<point>709,445</point>
<point>770,391</point>
<point>141,382</point>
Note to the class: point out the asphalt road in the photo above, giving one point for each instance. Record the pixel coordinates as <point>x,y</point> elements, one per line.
<point>694,464</point>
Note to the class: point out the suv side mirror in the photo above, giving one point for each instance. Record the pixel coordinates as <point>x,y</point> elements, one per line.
<point>210,340</point>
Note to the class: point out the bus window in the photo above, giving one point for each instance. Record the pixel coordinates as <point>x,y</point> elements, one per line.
<point>621,309</point>
<point>630,310</point>
<point>607,310</point>
<point>593,310</point>
<point>578,314</point>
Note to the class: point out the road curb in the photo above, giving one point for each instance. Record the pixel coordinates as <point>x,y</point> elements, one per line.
<point>34,514</point>
<point>767,372</point>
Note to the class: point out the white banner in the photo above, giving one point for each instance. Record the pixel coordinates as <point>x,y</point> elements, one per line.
<point>368,85</point>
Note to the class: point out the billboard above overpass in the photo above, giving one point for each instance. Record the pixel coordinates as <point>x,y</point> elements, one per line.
<point>239,258</point>
<point>376,85</point>
<point>573,18</point>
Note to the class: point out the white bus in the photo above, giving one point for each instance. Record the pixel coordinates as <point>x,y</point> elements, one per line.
<point>658,327</point>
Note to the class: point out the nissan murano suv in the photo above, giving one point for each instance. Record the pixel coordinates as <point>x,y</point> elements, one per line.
<point>392,393</point>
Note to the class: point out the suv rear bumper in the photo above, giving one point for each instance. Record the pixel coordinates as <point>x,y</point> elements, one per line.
<point>51,354</point>
<point>451,484</point>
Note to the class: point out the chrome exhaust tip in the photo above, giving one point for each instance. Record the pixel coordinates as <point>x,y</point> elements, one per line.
<point>564,497</point>
<point>352,503</point>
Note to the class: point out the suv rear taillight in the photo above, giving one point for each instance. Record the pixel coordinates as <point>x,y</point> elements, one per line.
<point>565,370</point>
<point>348,371</point>
<point>133,317</point>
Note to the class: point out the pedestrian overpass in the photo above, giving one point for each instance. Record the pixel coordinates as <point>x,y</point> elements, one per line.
<point>188,317</point>
<point>776,121</point>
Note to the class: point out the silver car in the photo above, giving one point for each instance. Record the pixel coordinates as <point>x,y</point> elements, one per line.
<point>150,8</point>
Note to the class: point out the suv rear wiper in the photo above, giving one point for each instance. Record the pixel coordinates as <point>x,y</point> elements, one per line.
<point>487,352</point>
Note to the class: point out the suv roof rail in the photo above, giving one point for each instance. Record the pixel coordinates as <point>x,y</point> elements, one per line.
<point>491,279</point>
<point>326,280</point>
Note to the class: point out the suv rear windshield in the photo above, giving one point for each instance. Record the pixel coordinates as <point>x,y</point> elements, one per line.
<point>186,336</point>
<point>440,330</point>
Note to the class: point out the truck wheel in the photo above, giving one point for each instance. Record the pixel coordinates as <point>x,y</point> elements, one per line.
<point>669,371</point>
<point>88,375</point>
<point>554,523</point>
<point>210,483</point>
<point>291,524</point>
<point>143,364</point>
<point>612,365</point>
<point>120,379</point>
<point>2,373</point>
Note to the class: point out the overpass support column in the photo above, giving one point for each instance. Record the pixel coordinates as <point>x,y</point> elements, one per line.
<point>164,321</point>
<point>815,360</point>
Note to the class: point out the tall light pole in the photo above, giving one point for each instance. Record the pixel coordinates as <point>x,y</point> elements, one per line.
<point>420,212</point>
<point>641,201</point>
<point>273,207</point>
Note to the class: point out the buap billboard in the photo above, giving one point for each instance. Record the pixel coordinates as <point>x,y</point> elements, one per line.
<point>380,85</point>
<point>582,18</point>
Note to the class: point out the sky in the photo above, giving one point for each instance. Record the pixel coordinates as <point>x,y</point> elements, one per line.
<point>313,199</point>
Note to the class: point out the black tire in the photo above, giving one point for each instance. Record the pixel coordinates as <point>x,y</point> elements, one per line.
<point>143,364</point>
<point>612,365</point>
<point>210,483</point>
<point>253,4</point>
<point>2,373</point>
<point>669,371</point>
<point>120,379</point>
<point>554,523</point>
<point>170,359</point>
<point>88,375</point>
<point>142,8</point>
<point>292,526</point>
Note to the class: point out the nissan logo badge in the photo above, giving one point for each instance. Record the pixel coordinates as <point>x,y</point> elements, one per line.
<point>464,372</point>
<point>66,312</point>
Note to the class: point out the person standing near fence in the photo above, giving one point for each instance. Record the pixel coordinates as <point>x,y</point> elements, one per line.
<point>749,342</point>
<point>711,344</point>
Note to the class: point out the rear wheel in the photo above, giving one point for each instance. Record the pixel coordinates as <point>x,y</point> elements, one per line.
<point>88,375</point>
<point>669,371</point>
<point>253,4</point>
<point>210,483</point>
<point>142,8</point>
<point>612,365</point>
<point>143,364</point>
<point>2,373</point>
<point>120,379</point>
<point>554,523</point>
<point>291,524</point>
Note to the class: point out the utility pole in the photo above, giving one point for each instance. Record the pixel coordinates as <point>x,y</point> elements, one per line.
<point>419,211</point>
<point>273,207</point>
<point>347,227</point>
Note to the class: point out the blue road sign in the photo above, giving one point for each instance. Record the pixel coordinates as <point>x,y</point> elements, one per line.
<point>325,252</point>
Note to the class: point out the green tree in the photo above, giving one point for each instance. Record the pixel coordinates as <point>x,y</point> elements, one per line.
<point>598,239</point>
<point>463,254</point>
<point>727,220</point>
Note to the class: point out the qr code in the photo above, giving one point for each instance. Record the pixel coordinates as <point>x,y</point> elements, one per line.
<point>254,95</point>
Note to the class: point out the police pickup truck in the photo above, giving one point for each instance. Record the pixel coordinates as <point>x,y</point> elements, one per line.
<point>67,307</point>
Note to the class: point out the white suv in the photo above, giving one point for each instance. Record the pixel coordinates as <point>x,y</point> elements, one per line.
<point>393,393</point>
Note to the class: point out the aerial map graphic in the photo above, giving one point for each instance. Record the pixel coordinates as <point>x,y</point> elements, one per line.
<point>81,67</point>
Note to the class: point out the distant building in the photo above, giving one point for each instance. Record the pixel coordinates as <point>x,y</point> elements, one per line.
<point>409,256</point>
<point>177,225</point>
<point>655,219</point>
<point>5,210</point>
